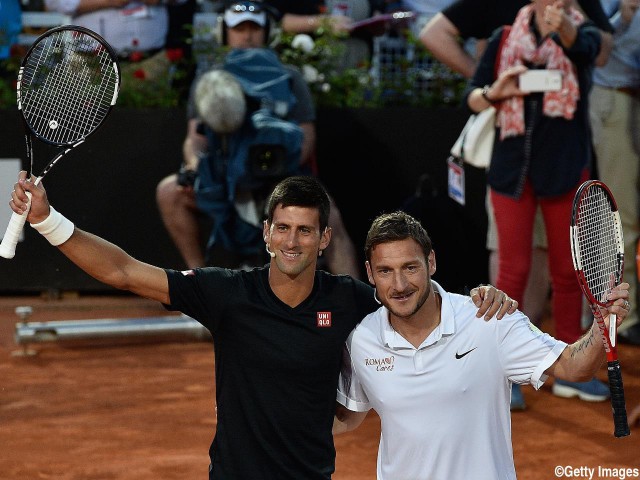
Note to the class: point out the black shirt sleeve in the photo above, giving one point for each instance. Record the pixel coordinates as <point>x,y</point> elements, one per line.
<point>202,293</point>
<point>479,18</point>
<point>465,17</point>
<point>593,10</point>
<point>298,7</point>
<point>485,72</point>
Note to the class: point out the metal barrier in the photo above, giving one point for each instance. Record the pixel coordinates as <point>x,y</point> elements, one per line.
<point>105,330</point>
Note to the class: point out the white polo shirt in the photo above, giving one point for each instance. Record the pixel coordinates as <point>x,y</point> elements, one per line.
<point>445,406</point>
<point>134,27</point>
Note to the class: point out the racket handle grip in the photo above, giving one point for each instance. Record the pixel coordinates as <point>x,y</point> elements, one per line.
<point>620,423</point>
<point>12,234</point>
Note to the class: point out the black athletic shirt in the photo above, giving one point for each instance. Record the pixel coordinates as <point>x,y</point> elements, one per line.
<point>479,18</point>
<point>298,7</point>
<point>276,368</point>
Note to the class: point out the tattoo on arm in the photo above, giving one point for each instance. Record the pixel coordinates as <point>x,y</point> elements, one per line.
<point>583,343</point>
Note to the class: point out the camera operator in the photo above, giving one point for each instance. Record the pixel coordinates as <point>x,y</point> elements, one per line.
<point>246,27</point>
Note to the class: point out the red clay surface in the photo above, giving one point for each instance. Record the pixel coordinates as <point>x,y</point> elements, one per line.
<point>145,411</point>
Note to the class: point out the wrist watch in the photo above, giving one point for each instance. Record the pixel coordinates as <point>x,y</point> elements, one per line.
<point>485,90</point>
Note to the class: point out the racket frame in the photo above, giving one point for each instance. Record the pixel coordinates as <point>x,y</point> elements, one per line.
<point>16,223</point>
<point>616,387</point>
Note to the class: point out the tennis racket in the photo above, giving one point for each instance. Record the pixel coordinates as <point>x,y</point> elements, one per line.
<point>68,83</point>
<point>597,249</point>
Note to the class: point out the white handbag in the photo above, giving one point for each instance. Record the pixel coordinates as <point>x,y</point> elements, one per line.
<point>475,143</point>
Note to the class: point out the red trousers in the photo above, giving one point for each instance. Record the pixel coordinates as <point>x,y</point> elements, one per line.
<point>514,223</point>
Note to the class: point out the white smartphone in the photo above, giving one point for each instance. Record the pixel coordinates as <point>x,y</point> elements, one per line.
<point>540,80</point>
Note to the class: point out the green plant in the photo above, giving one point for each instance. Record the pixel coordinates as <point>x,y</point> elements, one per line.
<point>158,81</point>
<point>8,79</point>
<point>164,80</point>
<point>415,79</point>
<point>7,94</point>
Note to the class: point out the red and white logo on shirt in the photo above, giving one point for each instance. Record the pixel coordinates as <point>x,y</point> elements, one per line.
<point>323,319</point>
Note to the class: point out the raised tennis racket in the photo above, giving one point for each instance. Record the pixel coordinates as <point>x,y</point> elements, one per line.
<point>598,258</point>
<point>68,83</point>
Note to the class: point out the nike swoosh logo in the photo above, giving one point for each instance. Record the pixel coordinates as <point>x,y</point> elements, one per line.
<point>460,355</point>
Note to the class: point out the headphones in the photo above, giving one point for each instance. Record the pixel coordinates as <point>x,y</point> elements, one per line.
<point>271,32</point>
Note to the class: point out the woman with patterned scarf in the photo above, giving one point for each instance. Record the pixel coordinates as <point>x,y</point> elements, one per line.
<point>541,154</point>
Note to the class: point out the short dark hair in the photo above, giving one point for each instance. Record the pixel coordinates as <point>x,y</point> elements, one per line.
<point>300,191</point>
<point>390,227</point>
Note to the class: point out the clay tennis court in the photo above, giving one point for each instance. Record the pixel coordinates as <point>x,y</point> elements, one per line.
<point>142,410</point>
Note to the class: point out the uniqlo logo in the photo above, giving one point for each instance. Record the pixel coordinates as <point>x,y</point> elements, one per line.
<point>323,319</point>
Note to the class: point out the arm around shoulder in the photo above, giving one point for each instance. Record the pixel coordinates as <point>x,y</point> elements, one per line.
<point>346,420</point>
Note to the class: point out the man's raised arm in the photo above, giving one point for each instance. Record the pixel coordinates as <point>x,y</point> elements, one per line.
<point>102,260</point>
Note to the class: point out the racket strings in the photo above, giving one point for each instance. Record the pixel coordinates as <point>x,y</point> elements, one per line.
<point>67,122</point>
<point>68,85</point>
<point>598,237</point>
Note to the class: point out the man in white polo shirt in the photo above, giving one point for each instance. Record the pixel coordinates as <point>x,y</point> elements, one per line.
<point>127,26</point>
<point>439,379</point>
<point>138,30</point>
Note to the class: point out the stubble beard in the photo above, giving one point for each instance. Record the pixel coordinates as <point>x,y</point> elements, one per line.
<point>421,301</point>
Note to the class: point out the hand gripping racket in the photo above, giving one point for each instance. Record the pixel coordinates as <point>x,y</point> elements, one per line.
<point>598,257</point>
<point>68,83</point>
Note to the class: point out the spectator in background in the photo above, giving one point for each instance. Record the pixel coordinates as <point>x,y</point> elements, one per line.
<point>297,16</point>
<point>358,45</point>
<point>180,22</point>
<point>306,16</point>
<point>175,194</point>
<point>425,10</point>
<point>10,26</point>
<point>477,19</point>
<point>615,121</point>
<point>428,8</point>
<point>540,159</point>
<point>137,30</point>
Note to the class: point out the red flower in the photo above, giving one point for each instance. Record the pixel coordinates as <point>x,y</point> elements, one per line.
<point>16,51</point>
<point>136,56</point>
<point>139,74</point>
<point>174,54</point>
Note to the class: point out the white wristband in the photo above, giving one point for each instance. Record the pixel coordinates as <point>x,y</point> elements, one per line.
<point>56,228</point>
